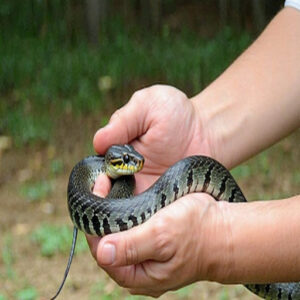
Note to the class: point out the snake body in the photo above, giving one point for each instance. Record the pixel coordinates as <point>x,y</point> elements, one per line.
<point>101,216</point>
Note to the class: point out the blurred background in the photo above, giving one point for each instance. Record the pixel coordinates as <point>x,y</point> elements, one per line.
<point>65,66</point>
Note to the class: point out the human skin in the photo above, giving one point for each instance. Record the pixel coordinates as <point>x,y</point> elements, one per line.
<point>253,104</point>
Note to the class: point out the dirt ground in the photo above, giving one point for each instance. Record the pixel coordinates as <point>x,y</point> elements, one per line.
<point>277,177</point>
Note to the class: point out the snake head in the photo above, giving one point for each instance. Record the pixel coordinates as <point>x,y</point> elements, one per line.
<point>122,160</point>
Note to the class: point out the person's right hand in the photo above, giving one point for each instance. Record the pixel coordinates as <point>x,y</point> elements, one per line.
<point>162,124</point>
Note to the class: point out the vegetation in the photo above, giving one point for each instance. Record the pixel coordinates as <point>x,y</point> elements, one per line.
<point>45,73</point>
<point>56,239</point>
<point>39,76</point>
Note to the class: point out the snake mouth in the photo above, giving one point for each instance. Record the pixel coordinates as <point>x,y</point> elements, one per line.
<point>123,160</point>
<point>117,169</point>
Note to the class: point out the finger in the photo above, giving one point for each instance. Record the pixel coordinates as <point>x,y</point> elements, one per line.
<point>125,124</point>
<point>133,276</point>
<point>93,242</point>
<point>141,243</point>
<point>124,276</point>
<point>102,185</point>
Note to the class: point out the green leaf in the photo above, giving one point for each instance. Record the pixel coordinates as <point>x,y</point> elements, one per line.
<point>29,293</point>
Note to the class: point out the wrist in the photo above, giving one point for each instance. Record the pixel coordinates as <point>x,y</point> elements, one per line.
<point>215,255</point>
<point>259,249</point>
<point>221,123</point>
<point>203,141</point>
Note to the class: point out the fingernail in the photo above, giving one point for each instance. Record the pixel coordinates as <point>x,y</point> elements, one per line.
<point>108,254</point>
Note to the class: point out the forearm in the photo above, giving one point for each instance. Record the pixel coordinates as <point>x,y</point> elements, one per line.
<point>262,242</point>
<point>256,101</point>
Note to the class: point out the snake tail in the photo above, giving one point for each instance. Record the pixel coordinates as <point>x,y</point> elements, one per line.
<point>75,231</point>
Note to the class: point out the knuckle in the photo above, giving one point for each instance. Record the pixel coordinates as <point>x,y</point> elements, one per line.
<point>162,276</point>
<point>117,114</point>
<point>139,94</point>
<point>163,239</point>
<point>147,92</point>
<point>131,253</point>
<point>160,225</point>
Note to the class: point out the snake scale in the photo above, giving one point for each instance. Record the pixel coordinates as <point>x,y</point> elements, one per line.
<point>120,210</point>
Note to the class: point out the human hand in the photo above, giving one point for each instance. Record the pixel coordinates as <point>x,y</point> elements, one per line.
<point>172,249</point>
<point>163,253</point>
<point>162,124</point>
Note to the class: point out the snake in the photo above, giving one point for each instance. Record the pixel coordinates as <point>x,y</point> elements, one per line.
<point>122,210</point>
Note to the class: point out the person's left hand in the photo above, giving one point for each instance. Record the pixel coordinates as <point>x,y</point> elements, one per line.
<point>172,249</point>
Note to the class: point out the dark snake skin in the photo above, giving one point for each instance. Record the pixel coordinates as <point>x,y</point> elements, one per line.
<point>101,216</point>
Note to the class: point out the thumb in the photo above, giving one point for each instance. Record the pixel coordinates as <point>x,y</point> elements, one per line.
<point>126,124</point>
<point>134,246</point>
<point>102,185</point>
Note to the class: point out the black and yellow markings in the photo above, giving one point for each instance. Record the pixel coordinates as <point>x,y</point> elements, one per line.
<point>163,200</point>
<point>222,187</point>
<point>96,225</point>
<point>190,180</point>
<point>106,226</point>
<point>133,219</point>
<point>207,178</point>
<point>77,219</point>
<point>122,225</point>
<point>118,163</point>
<point>175,190</point>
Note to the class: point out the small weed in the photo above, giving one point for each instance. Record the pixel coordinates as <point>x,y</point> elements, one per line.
<point>224,294</point>
<point>2,297</point>
<point>28,293</point>
<point>36,191</point>
<point>8,257</point>
<point>242,171</point>
<point>25,127</point>
<point>56,239</point>
<point>106,293</point>
<point>56,166</point>
<point>104,121</point>
<point>263,162</point>
<point>90,148</point>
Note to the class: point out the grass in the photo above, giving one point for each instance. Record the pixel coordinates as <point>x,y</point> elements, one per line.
<point>110,291</point>
<point>36,191</point>
<point>28,293</point>
<point>106,294</point>
<point>56,166</point>
<point>43,78</point>
<point>53,239</point>
<point>8,258</point>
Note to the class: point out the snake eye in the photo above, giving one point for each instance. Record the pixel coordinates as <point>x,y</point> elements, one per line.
<point>126,159</point>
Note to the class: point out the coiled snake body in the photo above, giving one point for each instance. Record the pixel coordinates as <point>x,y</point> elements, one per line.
<point>120,210</point>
